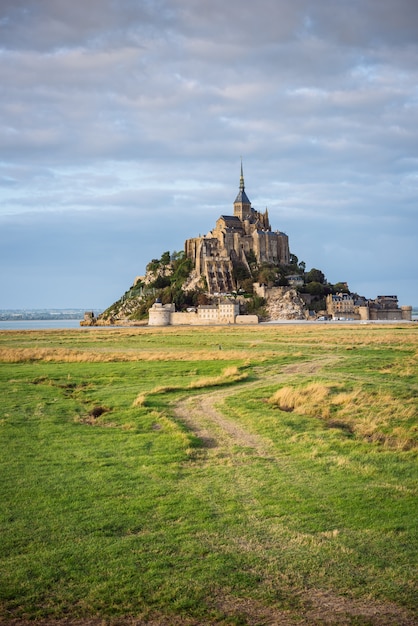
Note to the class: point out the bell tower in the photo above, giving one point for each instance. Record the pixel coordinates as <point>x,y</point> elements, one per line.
<point>242,205</point>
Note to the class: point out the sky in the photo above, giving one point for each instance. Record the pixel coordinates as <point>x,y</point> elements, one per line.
<point>123,124</point>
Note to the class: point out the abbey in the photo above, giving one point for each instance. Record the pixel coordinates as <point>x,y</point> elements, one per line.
<point>245,234</point>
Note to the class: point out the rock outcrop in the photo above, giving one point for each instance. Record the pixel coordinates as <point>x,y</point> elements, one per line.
<point>282,303</point>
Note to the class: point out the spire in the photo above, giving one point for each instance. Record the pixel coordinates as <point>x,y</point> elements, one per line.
<point>242,205</point>
<point>241,180</point>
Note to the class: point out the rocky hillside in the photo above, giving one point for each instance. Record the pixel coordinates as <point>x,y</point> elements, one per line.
<point>169,279</point>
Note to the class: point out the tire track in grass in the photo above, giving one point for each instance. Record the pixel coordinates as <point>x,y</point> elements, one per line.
<point>202,415</point>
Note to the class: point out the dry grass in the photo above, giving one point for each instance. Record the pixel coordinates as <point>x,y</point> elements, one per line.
<point>230,374</point>
<point>140,400</point>
<point>63,355</point>
<point>309,400</point>
<point>406,367</point>
<point>373,416</point>
<point>266,341</point>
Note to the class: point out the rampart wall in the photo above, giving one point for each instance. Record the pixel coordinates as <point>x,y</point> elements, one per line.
<point>165,315</point>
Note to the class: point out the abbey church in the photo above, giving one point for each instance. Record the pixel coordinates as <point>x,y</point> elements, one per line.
<point>231,242</point>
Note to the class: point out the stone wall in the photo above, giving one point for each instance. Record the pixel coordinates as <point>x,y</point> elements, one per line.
<point>224,314</point>
<point>369,313</point>
<point>183,319</point>
<point>246,319</point>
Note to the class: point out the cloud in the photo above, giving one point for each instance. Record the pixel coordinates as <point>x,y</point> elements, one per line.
<point>132,116</point>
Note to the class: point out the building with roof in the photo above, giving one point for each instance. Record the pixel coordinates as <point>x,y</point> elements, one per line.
<point>232,240</point>
<point>343,306</point>
<point>385,308</point>
<point>225,312</point>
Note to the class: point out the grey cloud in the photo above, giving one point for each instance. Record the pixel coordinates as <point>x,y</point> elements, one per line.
<point>367,22</point>
<point>140,110</point>
<point>48,25</point>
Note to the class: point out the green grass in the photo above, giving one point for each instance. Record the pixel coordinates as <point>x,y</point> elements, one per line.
<point>122,512</point>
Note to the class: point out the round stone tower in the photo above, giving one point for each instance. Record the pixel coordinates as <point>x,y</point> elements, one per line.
<point>406,312</point>
<point>160,315</point>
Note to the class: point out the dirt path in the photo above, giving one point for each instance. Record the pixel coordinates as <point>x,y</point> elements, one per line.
<point>219,434</point>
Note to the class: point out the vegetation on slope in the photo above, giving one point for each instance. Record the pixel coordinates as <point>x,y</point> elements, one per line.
<point>164,279</point>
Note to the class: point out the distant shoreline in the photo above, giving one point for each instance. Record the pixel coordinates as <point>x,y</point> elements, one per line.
<point>38,319</point>
<point>12,315</point>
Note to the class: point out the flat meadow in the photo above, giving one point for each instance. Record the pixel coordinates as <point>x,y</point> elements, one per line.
<point>211,475</point>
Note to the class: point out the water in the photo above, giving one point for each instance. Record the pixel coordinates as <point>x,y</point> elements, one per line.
<point>39,324</point>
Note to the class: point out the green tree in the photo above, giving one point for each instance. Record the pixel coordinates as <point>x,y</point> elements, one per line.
<point>177,256</point>
<point>318,305</point>
<point>153,265</point>
<point>315,276</point>
<point>165,258</point>
<point>160,282</point>
<point>256,306</point>
<point>267,275</point>
<point>240,273</point>
<point>247,285</point>
<point>281,281</point>
<point>251,259</point>
<point>340,288</point>
<point>295,266</point>
<point>181,270</point>
<point>315,289</point>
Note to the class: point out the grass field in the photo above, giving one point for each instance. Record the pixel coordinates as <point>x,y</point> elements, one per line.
<point>228,476</point>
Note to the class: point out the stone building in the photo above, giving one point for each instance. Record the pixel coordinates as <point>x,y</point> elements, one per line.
<point>342,305</point>
<point>232,240</point>
<point>385,308</point>
<point>226,312</point>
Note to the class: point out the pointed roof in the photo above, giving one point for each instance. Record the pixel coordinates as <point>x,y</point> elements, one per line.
<point>242,197</point>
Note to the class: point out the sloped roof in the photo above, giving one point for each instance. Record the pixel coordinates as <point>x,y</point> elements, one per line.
<point>230,218</point>
<point>231,221</point>
<point>242,197</point>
